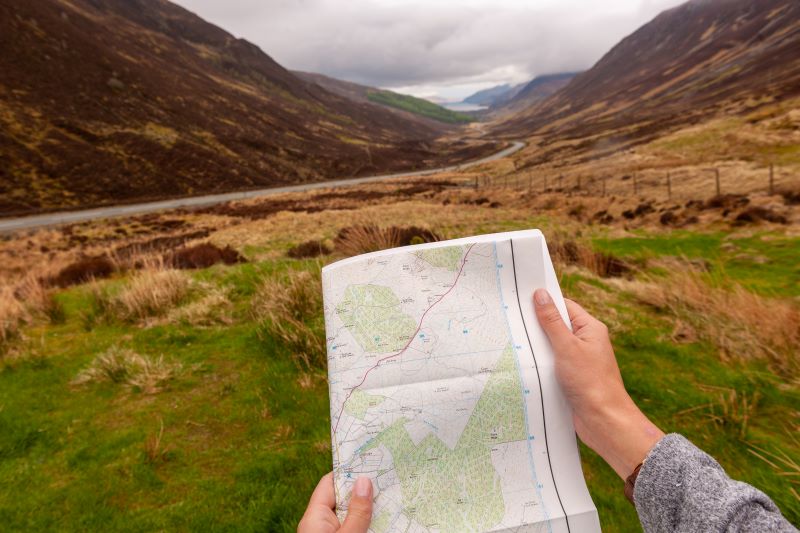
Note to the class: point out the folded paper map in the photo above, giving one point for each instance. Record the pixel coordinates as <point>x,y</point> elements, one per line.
<point>443,391</point>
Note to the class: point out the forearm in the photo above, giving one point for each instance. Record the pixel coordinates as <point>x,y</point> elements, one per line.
<point>681,488</point>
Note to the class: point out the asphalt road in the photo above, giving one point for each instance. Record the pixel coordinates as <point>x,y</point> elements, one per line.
<point>10,225</point>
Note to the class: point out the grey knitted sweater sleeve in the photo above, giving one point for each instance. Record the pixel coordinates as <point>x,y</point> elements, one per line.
<point>681,488</point>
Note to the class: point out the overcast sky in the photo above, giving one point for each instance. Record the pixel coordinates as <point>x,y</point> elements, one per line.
<point>444,48</point>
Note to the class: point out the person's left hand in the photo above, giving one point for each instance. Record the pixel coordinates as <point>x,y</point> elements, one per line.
<point>321,518</point>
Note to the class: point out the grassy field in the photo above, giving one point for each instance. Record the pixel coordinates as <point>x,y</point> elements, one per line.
<point>163,399</point>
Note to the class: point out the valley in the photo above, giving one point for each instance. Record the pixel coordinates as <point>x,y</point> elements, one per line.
<point>169,194</point>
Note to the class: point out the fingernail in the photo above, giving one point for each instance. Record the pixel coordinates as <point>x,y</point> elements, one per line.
<point>542,297</point>
<point>363,487</point>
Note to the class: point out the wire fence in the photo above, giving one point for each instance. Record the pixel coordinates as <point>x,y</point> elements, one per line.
<point>672,184</point>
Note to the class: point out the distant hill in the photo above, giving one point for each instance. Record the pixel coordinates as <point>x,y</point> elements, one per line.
<point>688,63</point>
<point>113,101</point>
<point>415,107</point>
<point>520,95</point>
<point>493,95</point>
<point>536,90</point>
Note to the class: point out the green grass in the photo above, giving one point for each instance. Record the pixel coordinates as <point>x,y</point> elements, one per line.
<point>245,439</point>
<point>418,106</point>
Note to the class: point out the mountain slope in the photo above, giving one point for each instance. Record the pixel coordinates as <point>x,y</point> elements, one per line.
<point>688,63</point>
<point>411,107</point>
<point>110,101</point>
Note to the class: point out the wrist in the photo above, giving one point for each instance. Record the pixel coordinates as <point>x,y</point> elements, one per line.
<point>623,436</point>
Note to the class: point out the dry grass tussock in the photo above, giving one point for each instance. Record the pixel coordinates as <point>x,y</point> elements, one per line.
<point>20,304</point>
<point>732,408</point>
<point>155,452</point>
<point>212,309</point>
<point>289,309</point>
<point>744,325</point>
<point>126,367</point>
<point>153,291</point>
<point>12,315</point>
<point>781,462</point>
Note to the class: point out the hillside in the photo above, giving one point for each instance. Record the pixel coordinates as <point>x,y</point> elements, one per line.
<point>686,65</point>
<point>418,106</point>
<point>112,101</point>
<point>431,114</point>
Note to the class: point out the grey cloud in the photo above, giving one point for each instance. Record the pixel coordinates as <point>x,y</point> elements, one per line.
<point>420,43</point>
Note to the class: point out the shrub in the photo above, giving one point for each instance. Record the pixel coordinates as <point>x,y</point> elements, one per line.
<point>757,213</point>
<point>355,240</point>
<point>309,249</point>
<point>203,256</point>
<point>791,196</point>
<point>726,201</point>
<point>570,252</point>
<point>126,367</point>
<point>84,270</point>
<point>668,218</point>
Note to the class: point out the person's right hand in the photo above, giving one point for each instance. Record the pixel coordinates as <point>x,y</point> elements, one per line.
<point>605,417</point>
<point>320,516</point>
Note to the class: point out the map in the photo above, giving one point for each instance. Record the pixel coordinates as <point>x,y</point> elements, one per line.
<point>435,393</point>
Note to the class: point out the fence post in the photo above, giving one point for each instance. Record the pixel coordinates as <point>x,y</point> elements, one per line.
<point>669,187</point>
<point>716,177</point>
<point>771,179</point>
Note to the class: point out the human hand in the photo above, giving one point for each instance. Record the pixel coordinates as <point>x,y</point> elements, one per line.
<point>321,518</point>
<point>605,417</point>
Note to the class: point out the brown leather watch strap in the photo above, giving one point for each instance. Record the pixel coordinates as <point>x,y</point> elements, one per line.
<point>631,482</point>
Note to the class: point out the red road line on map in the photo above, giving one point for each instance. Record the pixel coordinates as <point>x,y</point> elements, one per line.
<point>421,320</point>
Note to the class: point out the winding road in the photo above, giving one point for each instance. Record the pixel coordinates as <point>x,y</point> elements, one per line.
<point>10,225</point>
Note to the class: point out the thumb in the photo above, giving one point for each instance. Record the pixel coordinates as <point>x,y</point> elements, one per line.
<point>551,321</point>
<point>359,513</point>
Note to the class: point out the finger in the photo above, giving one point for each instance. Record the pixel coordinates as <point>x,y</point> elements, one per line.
<point>551,320</point>
<point>578,316</point>
<point>324,493</point>
<point>319,516</point>
<point>359,513</point>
